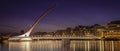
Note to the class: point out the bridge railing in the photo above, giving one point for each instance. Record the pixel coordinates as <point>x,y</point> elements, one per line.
<point>60,36</point>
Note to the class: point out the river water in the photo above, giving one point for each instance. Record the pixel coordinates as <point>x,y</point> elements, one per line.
<point>59,45</point>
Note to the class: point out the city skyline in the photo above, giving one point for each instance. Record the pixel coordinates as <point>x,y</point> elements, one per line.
<point>20,15</point>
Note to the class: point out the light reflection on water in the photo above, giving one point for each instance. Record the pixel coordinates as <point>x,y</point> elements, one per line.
<point>19,46</point>
<point>55,45</point>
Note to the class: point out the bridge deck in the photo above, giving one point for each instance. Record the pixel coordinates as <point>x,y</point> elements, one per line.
<point>66,37</point>
<point>55,38</point>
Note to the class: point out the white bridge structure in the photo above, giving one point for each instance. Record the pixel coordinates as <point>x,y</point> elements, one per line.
<point>26,35</point>
<point>56,38</point>
<point>64,37</point>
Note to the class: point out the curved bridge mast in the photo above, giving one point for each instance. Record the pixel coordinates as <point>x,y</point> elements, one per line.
<point>36,22</point>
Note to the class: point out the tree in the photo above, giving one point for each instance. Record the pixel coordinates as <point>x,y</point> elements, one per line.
<point>115,22</point>
<point>69,30</point>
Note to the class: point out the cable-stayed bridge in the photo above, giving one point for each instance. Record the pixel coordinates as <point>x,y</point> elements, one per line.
<point>26,35</point>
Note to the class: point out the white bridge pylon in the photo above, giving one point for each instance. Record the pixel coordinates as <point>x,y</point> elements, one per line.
<point>27,34</point>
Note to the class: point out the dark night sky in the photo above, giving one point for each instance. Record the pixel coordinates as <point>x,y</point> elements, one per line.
<point>19,15</point>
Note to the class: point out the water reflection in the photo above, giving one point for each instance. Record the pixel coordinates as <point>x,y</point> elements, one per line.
<point>64,45</point>
<point>4,46</point>
<point>112,46</point>
<point>46,46</point>
<point>19,46</point>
